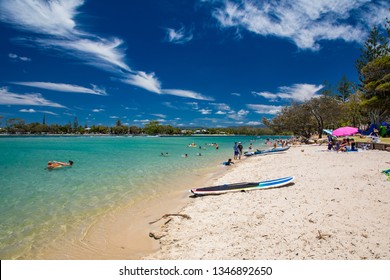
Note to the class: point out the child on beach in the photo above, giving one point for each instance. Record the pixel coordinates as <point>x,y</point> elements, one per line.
<point>229,162</point>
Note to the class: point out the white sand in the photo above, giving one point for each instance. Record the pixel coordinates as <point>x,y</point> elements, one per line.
<point>338,208</point>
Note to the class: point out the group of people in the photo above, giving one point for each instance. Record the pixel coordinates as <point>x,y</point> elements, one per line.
<point>346,145</point>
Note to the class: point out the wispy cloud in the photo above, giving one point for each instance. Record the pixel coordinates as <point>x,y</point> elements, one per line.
<point>161,116</point>
<point>305,22</point>
<point>143,80</point>
<point>265,109</point>
<point>97,110</point>
<point>296,92</point>
<point>32,99</point>
<point>221,106</point>
<point>55,26</point>
<point>34,111</point>
<point>63,87</point>
<point>180,36</point>
<point>187,94</point>
<point>151,83</point>
<point>22,58</point>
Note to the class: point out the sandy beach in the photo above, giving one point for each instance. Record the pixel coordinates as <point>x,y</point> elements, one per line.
<point>338,208</point>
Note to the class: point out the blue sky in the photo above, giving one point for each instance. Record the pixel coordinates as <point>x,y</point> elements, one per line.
<point>209,63</point>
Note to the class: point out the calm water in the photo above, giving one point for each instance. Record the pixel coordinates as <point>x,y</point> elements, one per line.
<point>38,205</point>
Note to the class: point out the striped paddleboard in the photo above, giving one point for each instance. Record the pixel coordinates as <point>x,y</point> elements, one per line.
<point>244,186</point>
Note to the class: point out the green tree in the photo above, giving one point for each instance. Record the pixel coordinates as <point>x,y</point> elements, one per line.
<point>326,111</point>
<point>152,128</point>
<point>376,84</point>
<point>345,88</point>
<point>15,125</point>
<point>296,118</point>
<point>376,45</point>
<point>134,129</point>
<point>354,111</point>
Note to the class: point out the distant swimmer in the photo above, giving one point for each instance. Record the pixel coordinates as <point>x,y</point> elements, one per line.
<point>58,164</point>
<point>164,155</point>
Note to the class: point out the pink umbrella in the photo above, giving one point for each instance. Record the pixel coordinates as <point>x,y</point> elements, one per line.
<point>345,131</point>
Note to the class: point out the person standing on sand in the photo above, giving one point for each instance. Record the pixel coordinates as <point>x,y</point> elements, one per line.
<point>236,152</point>
<point>240,148</point>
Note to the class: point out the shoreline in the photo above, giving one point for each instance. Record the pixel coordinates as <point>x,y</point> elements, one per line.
<point>125,232</point>
<point>337,209</point>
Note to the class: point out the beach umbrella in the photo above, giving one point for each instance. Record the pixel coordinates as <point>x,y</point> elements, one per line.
<point>345,131</point>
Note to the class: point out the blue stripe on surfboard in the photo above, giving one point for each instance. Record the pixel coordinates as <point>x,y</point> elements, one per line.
<point>276,184</point>
<point>276,180</point>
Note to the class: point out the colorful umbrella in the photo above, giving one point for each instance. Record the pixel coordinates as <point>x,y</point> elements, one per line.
<point>345,131</point>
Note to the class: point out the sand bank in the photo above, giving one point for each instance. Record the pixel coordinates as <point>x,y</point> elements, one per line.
<point>338,208</point>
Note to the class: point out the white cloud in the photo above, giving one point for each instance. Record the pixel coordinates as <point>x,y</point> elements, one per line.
<point>15,56</point>
<point>34,111</point>
<point>296,92</point>
<point>27,111</point>
<point>187,94</point>
<point>142,121</point>
<point>205,111</point>
<point>305,22</point>
<point>265,109</point>
<point>49,112</point>
<point>162,116</point>
<point>180,36</point>
<point>55,20</point>
<point>44,17</point>
<point>194,105</point>
<point>63,87</point>
<point>143,80</point>
<point>254,123</point>
<point>107,54</point>
<point>33,99</point>
<point>238,116</point>
<point>236,94</point>
<point>220,113</point>
<point>221,106</point>
<point>97,110</point>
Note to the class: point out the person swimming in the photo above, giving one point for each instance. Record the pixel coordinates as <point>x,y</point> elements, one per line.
<point>58,164</point>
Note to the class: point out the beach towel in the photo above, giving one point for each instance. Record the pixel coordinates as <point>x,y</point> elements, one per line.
<point>387,172</point>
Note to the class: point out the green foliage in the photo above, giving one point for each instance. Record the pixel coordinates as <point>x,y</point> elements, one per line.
<point>345,88</point>
<point>374,73</point>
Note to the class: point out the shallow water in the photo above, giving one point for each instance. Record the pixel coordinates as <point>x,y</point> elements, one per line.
<point>40,206</point>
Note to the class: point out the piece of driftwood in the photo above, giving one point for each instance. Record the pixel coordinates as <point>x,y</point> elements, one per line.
<point>156,235</point>
<point>170,215</point>
<point>322,235</point>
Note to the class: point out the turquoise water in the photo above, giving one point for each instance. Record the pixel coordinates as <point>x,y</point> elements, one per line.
<point>38,205</point>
